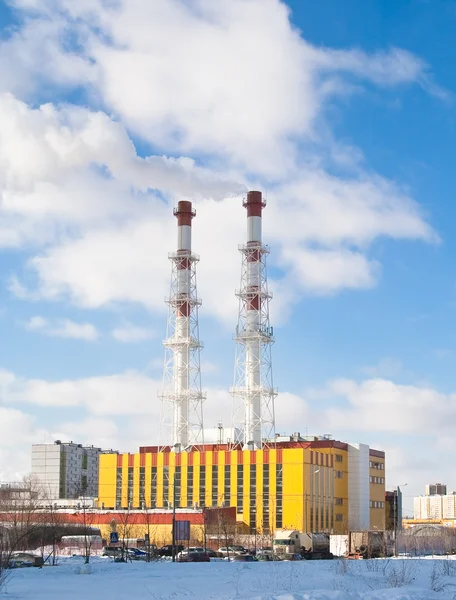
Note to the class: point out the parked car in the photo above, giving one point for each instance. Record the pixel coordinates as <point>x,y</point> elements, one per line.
<point>295,556</point>
<point>230,550</point>
<point>113,551</point>
<point>139,554</point>
<point>168,550</point>
<point>213,553</point>
<point>189,550</point>
<point>25,559</point>
<point>243,558</point>
<point>194,557</point>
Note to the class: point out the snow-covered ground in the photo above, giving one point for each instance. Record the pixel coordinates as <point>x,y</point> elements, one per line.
<point>318,580</point>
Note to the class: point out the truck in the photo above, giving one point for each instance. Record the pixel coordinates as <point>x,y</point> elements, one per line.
<point>311,546</point>
<point>359,544</point>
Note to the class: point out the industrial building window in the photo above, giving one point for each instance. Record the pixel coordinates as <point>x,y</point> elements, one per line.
<point>339,474</point>
<point>339,517</point>
<point>339,457</point>
<point>165,486</point>
<point>265,498</point>
<point>177,484</point>
<point>227,486</point>
<point>240,489</point>
<point>279,496</point>
<point>202,491</point>
<point>253,489</point>
<point>153,487</point>
<point>142,486</point>
<point>190,486</point>
<point>214,496</point>
<point>130,486</point>
<point>339,501</point>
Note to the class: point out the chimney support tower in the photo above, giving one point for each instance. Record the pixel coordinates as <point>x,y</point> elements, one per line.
<point>253,392</point>
<point>182,397</point>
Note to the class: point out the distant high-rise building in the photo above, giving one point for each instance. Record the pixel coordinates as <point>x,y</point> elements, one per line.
<point>436,489</point>
<point>66,470</point>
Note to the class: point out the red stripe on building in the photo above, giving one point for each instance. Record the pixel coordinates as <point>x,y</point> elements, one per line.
<point>279,456</point>
<point>119,461</point>
<point>131,460</point>
<point>154,460</point>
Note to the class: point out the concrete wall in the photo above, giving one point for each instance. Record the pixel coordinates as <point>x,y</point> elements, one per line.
<point>358,487</point>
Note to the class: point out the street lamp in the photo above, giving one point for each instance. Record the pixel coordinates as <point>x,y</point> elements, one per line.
<point>396,514</point>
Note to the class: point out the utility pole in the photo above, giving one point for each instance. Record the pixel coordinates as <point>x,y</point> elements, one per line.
<point>174,519</point>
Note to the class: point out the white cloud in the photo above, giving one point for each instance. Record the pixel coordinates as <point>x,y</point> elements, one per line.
<point>92,210</point>
<point>130,333</point>
<point>380,405</point>
<point>63,328</point>
<point>122,411</point>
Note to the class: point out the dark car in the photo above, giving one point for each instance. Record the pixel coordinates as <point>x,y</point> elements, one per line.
<point>213,553</point>
<point>243,558</point>
<point>168,550</point>
<point>195,557</point>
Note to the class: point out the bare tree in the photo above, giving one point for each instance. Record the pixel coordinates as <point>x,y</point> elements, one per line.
<point>87,519</point>
<point>124,526</point>
<point>19,520</point>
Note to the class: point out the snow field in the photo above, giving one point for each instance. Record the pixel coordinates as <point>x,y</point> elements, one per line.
<point>401,579</point>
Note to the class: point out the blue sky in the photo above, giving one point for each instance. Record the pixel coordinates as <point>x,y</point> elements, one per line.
<point>343,112</point>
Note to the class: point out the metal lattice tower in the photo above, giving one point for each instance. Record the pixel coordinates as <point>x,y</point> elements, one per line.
<point>253,392</point>
<point>182,398</point>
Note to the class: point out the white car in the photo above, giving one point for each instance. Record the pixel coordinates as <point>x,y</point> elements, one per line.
<point>232,550</point>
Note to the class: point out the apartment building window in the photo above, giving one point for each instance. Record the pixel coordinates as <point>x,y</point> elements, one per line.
<point>142,486</point>
<point>339,517</point>
<point>202,490</point>
<point>240,489</point>
<point>214,485</point>
<point>84,461</point>
<point>153,487</point>
<point>177,483</point>
<point>339,474</point>
<point>165,486</point>
<point>227,486</point>
<point>338,457</point>
<point>189,486</point>
<point>339,501</point>
<point>265,498</point>
<point>130,486</point>
<point>279,496</point>
<point>253,489</point>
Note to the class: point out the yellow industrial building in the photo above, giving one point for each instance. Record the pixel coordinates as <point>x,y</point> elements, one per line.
<point>308,484</point>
